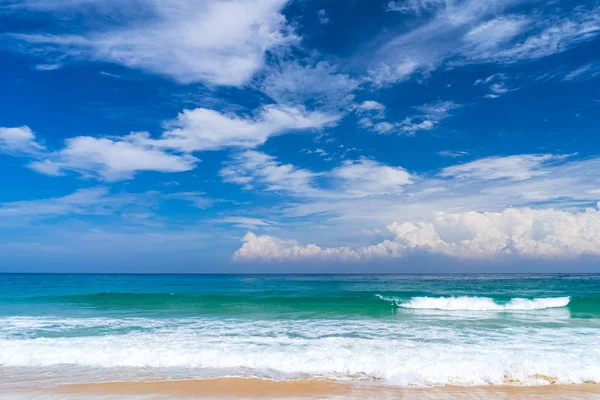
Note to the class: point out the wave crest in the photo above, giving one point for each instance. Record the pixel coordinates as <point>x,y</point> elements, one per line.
<point>472,303</point>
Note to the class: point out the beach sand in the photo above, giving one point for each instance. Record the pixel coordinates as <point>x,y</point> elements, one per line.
<point>235,388</point>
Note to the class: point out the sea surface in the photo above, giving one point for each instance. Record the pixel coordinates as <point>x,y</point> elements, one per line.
<point>400,330</point>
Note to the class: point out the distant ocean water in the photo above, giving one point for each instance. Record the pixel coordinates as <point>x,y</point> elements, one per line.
<point>402,330</point>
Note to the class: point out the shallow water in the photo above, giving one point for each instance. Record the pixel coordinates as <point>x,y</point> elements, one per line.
<point>400,330</point>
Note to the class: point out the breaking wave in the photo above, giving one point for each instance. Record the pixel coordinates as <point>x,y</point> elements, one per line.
<point>471,303</point>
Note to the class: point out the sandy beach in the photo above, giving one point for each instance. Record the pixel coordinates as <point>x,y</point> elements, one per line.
<point>235,388</point>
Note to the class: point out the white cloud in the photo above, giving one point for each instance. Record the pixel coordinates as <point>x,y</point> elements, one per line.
<point>370,105</point>
<point>48,67</point>
<point>203,129</point>
<point>379,127</point>
<point>319,84</point>
<point>472,31</point>
<point>580,27</point>
<point>110,159</point>
<point>253,168</point>
<point>93,201</point>
<point>331,215</point>
<point>585,72</point>
<point>245,222</point>
<point>411,127</point>
<point>323,18</point>
<point>429,117</point>
<point>439,109</point>
<point>370,112</point>
<point>415,6</point>
<point>484,39</point>
<point>108,74</point>
<point>382,75</point>
<point>274,249</point>
<point>19,140</point>
<point>495,84</point>
<point>517,168</point>
<point>452,154</point>
<point>366,177</point>
<point>530,233</point>
<point>497,90</point>
<point>198,199</point>
<point>216,42</point>
<point>352,179</point>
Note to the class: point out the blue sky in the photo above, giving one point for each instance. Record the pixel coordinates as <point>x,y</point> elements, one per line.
<point>142,135</point>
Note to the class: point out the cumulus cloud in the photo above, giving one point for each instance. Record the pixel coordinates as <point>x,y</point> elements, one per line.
<point>203,129</point>
<point>545,233</point>
<point>562,184</point>
<point>19,140</point>
<point>274,249</point>
<point>117,158</point>
<point>365,177</point>
<point>370,105</point>
<point>216,42</point>
<point>110,159</point>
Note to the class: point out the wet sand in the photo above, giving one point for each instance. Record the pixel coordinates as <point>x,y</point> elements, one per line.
<point>235,388</point>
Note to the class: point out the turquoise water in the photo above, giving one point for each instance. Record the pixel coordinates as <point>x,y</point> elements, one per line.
<point>398,330</point>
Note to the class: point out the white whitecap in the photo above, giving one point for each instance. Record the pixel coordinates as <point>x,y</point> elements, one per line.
<point>472,303</point>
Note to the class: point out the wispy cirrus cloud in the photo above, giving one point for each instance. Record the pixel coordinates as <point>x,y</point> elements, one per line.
<point>213,42</point>
<point>496,85</point>
<point>92,201</point>
<point>245,222</point>
<point>452,154</point>
<point>197,199</point>
<point>517,168</point>
<point>416,7</point>
<point>585,72</point>
<point>309,83</point>
<point>351,179</point>
<point>253,169</point>
<point>428,117</point>
<point>472,32</point>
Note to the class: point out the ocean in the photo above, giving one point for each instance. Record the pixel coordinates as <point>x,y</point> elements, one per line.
<point>396,330</point>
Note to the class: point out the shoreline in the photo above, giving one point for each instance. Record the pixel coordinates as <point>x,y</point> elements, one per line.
<point>255,388</point>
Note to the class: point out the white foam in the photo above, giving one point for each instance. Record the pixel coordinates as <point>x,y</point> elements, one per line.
<point>396,352</point>
<point>469,303</point>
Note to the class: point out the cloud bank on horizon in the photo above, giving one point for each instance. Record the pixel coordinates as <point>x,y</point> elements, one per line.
<point>459,128</point>
<point>523,232</point>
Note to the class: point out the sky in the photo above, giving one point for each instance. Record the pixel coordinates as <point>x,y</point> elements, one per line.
<point>299,135</point>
